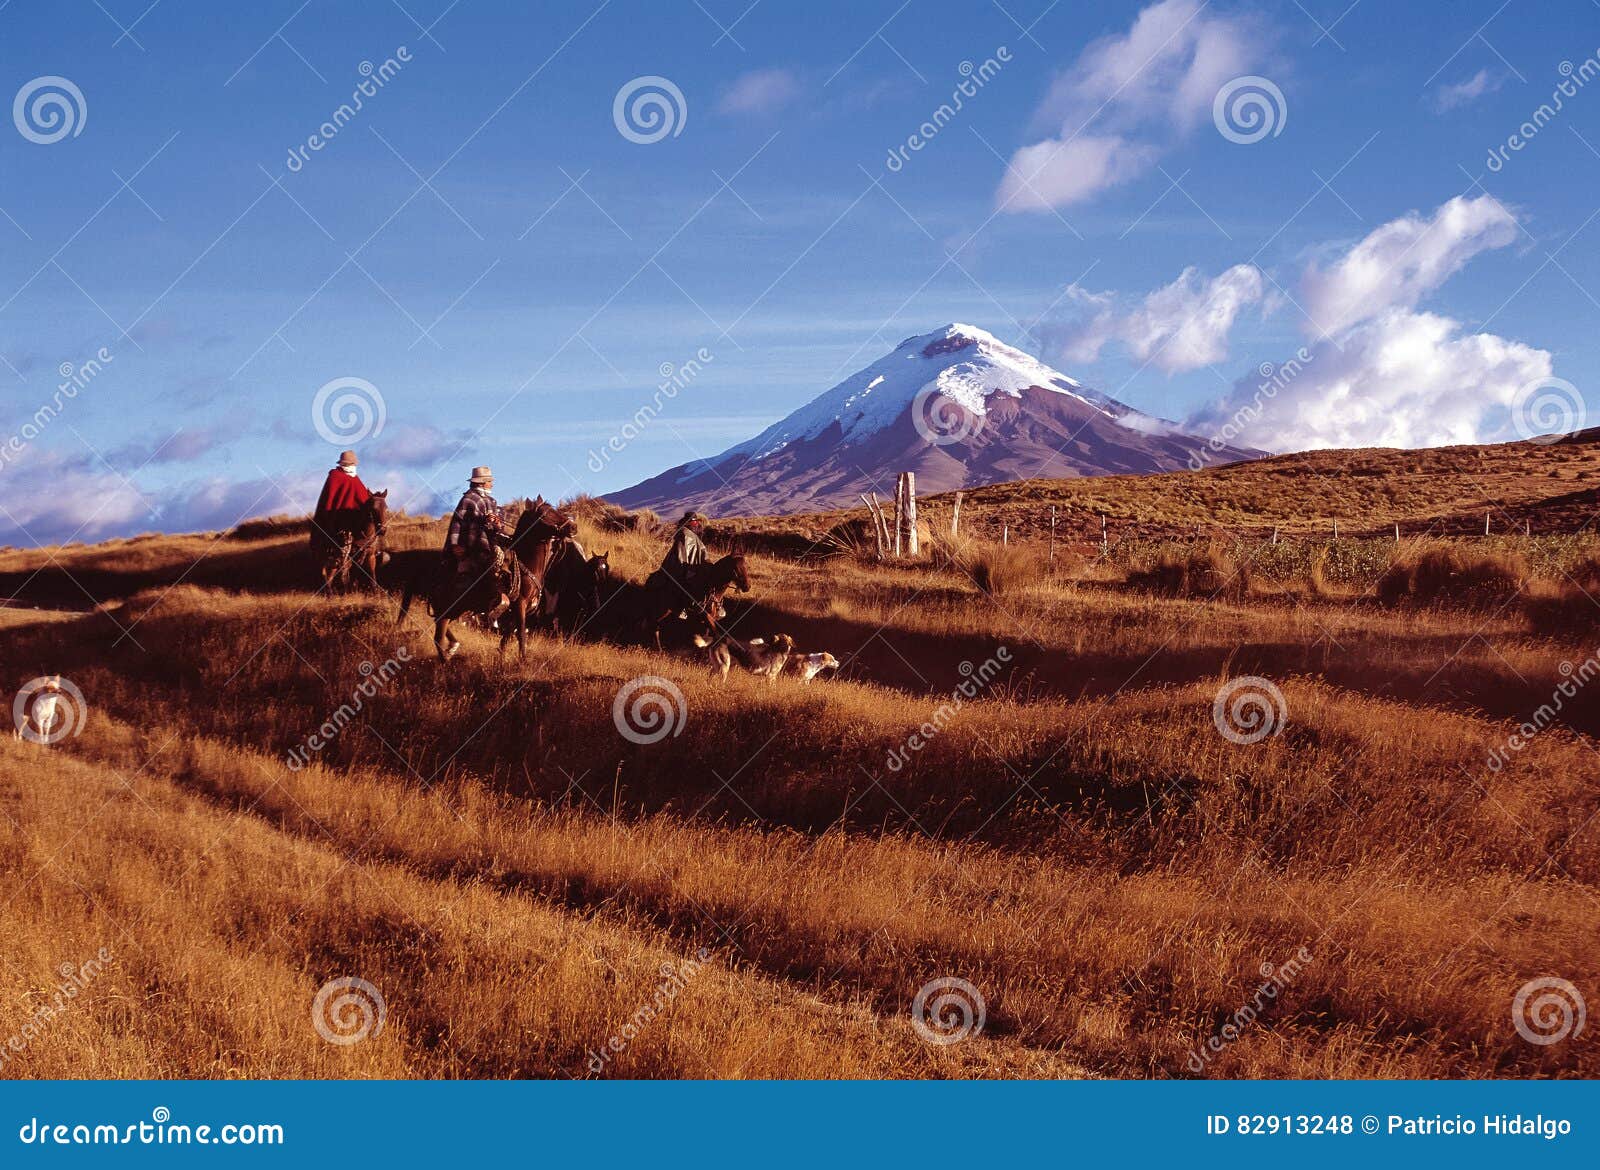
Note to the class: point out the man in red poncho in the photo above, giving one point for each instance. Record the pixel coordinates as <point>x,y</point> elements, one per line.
<point>343,495</point>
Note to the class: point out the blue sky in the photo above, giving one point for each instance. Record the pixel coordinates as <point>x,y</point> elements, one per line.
<point>485,247</point>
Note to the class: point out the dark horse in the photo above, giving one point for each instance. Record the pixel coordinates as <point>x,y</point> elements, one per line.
<point>352,539</point>
<point>451,594</point>
<point>702,589</point>
<point>542,535</point>
<point>573,588</point>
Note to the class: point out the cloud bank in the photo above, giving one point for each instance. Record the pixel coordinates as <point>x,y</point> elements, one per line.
<point>1111,114</point>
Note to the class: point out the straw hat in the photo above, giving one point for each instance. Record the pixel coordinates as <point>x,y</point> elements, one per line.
<point>348,459</point>
<point>481,475</point>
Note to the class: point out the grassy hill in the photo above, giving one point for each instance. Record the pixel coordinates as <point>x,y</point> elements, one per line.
<point>1029,789</point>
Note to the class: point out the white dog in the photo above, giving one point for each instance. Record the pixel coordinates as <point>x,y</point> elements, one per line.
<point>42,712</point>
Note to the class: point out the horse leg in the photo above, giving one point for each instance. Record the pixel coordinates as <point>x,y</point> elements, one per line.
<point>444,641</point>
<point>517,616</point>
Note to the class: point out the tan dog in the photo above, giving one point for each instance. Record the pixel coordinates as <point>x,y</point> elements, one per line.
<point>808,666</point>
<point>760,656</point>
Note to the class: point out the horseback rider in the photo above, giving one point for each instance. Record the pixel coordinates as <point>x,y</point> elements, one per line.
<point>477,539</point>
<point>685,559</point>
<point>339,505</point>
<point>688,548</point>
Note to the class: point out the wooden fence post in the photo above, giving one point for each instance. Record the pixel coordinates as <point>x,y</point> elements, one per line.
<point>1486,524</point>
<point>1005,534</point>
<point>1397,532</point>
<point>911,513</point>
<point>1052,534</point>
<point>955,517</point>
<point>1336,529</point>
<point>1105,546</point>
<point>1274,534</point>
<point>876,517</point>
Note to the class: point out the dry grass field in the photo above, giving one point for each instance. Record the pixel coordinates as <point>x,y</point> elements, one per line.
<point>1350,869</point>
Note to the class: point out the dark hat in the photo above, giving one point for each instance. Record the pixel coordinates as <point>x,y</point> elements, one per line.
<point>691,517</point>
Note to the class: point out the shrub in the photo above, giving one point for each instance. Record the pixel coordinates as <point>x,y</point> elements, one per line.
<point>1445,573</point>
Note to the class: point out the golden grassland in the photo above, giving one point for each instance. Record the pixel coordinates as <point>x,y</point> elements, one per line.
<point>1076,840</point>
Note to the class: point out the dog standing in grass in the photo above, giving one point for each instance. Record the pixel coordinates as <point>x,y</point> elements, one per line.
<point>44,709</point>
<point>808,666</point>
<point>764,657</point>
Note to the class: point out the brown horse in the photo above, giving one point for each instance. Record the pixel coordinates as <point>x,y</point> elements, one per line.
<point>352,539</point>
<point>452,594</point>
<point>541,529</point>
<point>703,589</point>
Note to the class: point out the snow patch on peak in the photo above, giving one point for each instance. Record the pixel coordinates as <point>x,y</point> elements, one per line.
<point>962,362</point>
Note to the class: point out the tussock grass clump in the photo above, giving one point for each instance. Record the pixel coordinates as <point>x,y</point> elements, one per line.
<point>1211,572</point>
<point>1571,605</point>
<point>997,568</point>
<point>609,517</point>
<point>1443,573</point>
<point>270,526</point>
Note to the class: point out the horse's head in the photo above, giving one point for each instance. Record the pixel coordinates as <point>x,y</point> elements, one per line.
<point>540,521</point>
<point>738,572</point>
<point>600,567</point>
<point>378,508</point>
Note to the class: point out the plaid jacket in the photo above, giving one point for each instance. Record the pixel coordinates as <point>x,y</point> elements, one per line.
<point>687,549</point>
<point>476,523</point>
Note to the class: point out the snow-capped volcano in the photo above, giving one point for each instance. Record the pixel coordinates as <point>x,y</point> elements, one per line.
<point>957,406</point>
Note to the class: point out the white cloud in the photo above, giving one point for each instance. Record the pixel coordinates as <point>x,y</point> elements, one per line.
<point>1402,261</point>
<point>1137,90</point>
<point>49,498</point>
<point>1180,326</point>
<point>759,92</point>
<point>1403,379</point>
<point>1449,97</point>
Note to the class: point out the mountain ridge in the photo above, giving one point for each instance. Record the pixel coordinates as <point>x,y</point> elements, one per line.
<point>957,406</point>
